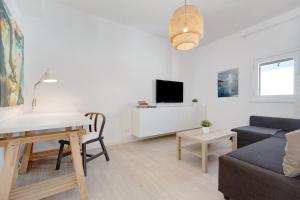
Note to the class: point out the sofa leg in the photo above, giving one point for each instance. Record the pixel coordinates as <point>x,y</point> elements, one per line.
<point>226,198</point>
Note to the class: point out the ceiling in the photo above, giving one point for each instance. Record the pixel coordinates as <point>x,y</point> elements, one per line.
<point>222,17</point>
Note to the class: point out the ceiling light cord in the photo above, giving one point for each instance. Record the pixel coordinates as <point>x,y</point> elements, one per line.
<point>185,12</point>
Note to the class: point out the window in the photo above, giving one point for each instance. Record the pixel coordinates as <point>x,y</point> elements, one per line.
<point>275,78</point>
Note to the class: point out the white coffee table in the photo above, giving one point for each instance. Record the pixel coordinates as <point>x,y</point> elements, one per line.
<point>204,139</point>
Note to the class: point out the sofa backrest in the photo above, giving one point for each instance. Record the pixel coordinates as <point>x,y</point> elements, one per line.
<point>285,124</point>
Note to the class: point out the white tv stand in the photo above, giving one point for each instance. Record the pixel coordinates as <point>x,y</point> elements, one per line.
<point>149,122</point>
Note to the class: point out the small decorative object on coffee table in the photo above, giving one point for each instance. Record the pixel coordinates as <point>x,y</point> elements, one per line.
<point>206,126</point>
<point>202,147</point>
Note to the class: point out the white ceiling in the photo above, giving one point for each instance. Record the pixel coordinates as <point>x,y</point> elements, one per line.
<point>222,17</point>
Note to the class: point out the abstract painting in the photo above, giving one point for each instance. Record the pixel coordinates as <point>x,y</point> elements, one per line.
<point>11,60</point>
<point>228,83</point>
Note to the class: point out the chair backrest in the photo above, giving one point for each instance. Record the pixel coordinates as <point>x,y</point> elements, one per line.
<point>97,124</point>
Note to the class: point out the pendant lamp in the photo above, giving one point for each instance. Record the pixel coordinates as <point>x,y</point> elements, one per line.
<point>186,28</point>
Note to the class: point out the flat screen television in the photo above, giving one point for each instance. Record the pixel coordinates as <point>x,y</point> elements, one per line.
<point>169,91</point>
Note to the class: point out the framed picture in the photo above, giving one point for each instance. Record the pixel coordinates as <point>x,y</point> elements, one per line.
<point>228,83</point>
<point>11,60</point>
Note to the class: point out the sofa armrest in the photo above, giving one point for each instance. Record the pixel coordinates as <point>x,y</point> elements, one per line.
<point>243,181</point>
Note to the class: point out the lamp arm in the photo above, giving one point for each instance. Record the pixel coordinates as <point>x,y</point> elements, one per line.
<point>34,91</point>
<point>45,78</point>
<point>37,83</point>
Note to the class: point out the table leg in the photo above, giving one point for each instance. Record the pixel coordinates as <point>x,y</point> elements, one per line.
<point>6,136</point>
<point>234,143</point>
<point>74,141</point>
<point>204,157</point>
<point>9,136</point>
<point>16,173</point>
<point>178,138</point>
<point>26,155</point>
<point>7,175</point>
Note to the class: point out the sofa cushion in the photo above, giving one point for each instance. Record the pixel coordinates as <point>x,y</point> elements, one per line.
<point>267,154</point>
<point>291,162</point>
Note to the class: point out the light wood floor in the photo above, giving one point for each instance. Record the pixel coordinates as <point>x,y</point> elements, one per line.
<point>145,170</point>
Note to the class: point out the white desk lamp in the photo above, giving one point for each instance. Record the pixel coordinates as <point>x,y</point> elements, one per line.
<point>46,78</point>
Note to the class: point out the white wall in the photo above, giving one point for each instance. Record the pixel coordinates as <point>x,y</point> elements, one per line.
<point>104,66</point>
<point>238,51</point>
<point>100,65</point>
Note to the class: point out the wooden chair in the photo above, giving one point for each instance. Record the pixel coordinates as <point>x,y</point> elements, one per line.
<point>94,135</point>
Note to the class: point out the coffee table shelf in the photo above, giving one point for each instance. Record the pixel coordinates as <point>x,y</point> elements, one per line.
<point>212,149</point>
<point>206,144</point>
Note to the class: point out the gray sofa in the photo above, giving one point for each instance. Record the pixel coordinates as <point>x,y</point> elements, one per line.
<point>254,171</point>
<point>261,128</point>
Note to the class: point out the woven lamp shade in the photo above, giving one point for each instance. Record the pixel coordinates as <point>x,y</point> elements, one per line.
<point>186,28</point>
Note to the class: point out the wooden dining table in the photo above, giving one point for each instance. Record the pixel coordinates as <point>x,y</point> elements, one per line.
<point>30,128</point>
